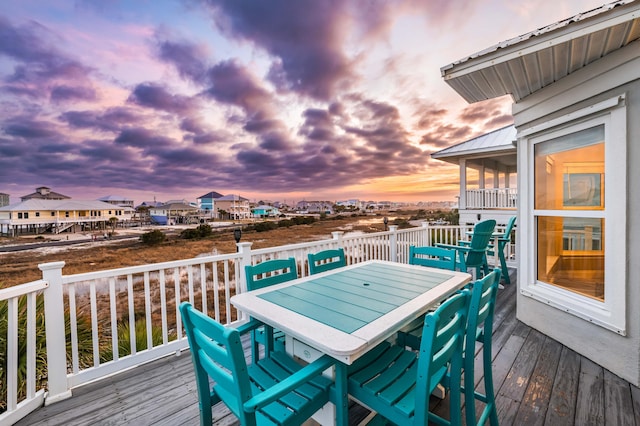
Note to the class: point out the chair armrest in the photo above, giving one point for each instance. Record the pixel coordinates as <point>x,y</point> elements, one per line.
<point>252,324</point>
<point>290,383</point>
<point>454,247</point>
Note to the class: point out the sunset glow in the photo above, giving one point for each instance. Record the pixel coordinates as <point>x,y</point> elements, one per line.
<point>275,100</point>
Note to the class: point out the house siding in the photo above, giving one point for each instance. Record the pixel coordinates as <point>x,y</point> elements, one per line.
<point>616,74</point>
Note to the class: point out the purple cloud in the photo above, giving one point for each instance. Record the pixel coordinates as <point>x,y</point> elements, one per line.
<point>186,57</point>
<point>305,37</point>
<point>65,93</point>
<point>155,96</point>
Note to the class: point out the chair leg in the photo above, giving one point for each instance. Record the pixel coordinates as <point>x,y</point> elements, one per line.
<point>489,410</point>
<point>503,262</point>
<point>461,262</point>
<point>485,264</point>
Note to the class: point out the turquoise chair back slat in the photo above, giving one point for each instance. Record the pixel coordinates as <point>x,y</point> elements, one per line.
<point>222,375</point>
<point>509,228</point>
<point>265,274</point>
<point>326,260</point>
<point>397,383</point>
<point>476,255</point>
<point>434,257</point>
<point>216,351</point>
<point>480,328</point>
<point>271,272</point>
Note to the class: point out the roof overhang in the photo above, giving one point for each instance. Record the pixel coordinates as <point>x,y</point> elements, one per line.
<point>525,64</point>
<point>497,146</point>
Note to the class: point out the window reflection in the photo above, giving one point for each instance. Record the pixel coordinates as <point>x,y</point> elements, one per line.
<point>569,177</point>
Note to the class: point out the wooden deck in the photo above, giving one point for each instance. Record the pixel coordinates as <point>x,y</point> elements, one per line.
<point>538,382</point>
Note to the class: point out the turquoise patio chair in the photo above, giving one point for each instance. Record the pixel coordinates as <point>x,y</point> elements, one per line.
<point>474,254</point>
<point>274,390</point>
<point>479,329</point>
<point>326,260</point>
<point>430,256</point>
<point>264,274</point>
<point>434,257</point>
<point>397,382</point>
<point>503,240</point>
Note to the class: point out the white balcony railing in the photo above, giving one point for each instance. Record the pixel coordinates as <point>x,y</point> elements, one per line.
<point>102,322</point>
<point>18,306</point>
<point>492,198</point>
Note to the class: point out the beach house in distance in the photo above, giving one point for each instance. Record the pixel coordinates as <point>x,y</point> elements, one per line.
<point>48,211</point>
<point>575,85</point>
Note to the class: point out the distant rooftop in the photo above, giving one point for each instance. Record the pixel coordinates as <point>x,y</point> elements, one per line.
<point>114,198</point>
<point>58,205</point>
<point>212,194</point>
<point>232,197</point>
<point>44,193</point>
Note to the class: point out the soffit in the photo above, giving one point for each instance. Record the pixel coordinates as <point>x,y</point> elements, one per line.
<point>522,65</point>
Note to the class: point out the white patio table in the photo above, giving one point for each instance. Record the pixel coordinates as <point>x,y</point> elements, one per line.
<point>347,311</point>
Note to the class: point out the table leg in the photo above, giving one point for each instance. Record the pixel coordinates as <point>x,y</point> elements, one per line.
<point>342,405</point>
<point>330,414</point>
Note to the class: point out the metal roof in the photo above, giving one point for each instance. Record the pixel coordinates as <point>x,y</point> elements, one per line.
<point>114,198</point>
<point>493,144</point>
<point>59,205</point>
<point>522,65</point>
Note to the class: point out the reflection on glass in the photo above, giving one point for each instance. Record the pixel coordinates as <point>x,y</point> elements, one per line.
<point>570,254</point>
<point>569,172</point>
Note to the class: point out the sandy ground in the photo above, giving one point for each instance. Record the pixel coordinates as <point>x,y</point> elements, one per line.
<point>93,239</point>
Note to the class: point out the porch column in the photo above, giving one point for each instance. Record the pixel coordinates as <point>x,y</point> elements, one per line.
<point>462,204</point>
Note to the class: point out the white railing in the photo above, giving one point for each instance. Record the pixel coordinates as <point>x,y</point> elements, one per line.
<point>18,309</point>
<point>102,322</point>
<point>492,198</point>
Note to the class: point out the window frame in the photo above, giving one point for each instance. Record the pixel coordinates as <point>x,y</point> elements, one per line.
<point>610,313</point>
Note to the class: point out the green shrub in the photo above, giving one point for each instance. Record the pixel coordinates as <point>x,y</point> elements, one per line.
<point>202,231</point>
<point>264,226</point>
<point>153,237</point>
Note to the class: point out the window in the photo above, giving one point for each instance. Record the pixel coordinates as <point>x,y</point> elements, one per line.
<point>19,215</point>
<point>37,214</point>
<point>568,191</point>
<point>53,213</point>
<point>66,214</point>
<point>576,212</point>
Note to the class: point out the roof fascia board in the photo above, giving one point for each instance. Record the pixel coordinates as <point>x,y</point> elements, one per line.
<point>541,42</point>
<point>506,149</point>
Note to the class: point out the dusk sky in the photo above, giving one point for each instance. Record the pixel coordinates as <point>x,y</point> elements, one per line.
<point>278,100</point>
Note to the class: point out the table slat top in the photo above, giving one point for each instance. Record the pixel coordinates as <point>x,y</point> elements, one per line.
<point>350,299</point>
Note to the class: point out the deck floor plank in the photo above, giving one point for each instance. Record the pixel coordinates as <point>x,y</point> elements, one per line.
<point>562,403</point>
<point>537,381</point>
<point>618,404</point>
<point>535,403</point>
<point>590,400</point>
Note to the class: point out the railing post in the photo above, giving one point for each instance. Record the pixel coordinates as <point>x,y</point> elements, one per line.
<point>57,385</point>
<point>245,260</point>
<point>426,235</point>
<point>337,235</point>
<point>393,243</point>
